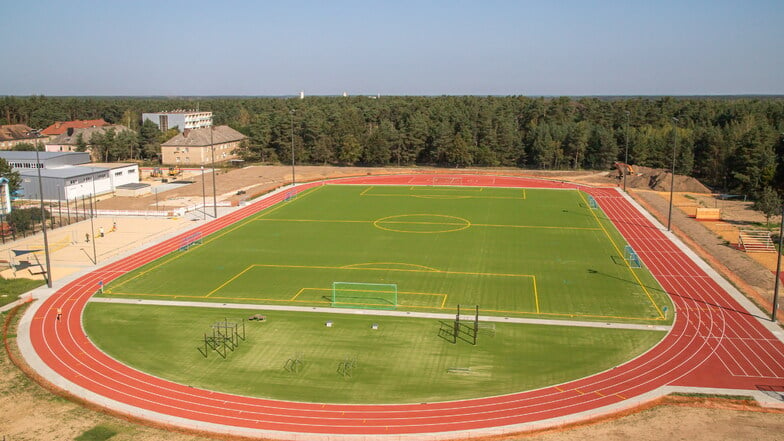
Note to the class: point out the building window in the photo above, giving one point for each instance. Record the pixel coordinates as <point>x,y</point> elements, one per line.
<point>119,173</point>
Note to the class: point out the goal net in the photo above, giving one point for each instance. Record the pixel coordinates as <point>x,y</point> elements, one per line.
<point>631,257</point>
<point>190,240</point>
<point>364,295</point>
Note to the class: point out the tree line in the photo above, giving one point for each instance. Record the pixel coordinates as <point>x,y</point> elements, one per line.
<point>734,145</point>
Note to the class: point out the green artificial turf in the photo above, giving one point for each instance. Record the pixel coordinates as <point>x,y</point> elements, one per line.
<point>514,252</point>
<point>404,360</point>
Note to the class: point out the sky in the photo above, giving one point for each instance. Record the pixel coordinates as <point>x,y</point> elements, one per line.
<point>395,47</point>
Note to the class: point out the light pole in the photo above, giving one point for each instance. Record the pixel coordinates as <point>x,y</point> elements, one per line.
<point>203,195</point>
<point>626,156</point>
<point>43,217</point>
<point>672,177</point>
<point>293,179</point>
<point>214,194</point>
<point>778,270</point>
<point>92,215</point>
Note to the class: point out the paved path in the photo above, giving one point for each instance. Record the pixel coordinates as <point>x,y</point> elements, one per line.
<point>715,342</point>
<point>384,313</point>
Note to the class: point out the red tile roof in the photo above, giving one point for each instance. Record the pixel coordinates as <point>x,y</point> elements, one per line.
<point>15,132</point>
<point>60,127</point>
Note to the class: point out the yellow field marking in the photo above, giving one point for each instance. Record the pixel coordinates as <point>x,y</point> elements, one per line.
<point>617,250</point>
<point>543,227</point>
<point>229,281</point>
<point>298,293</point>
<point>559,389</point>
<point>620,396</point>
<point>599,393</point>
<point>524,196</point>
<point>469,273</point>
<point>316,220</point>
<point>462,223</point>
<point>262,299</point>
<point>357,265</point>
<point>447,188</point>
<point>367,192</point>
<point>213,237</point>
<point>434,294</point>
<point>579,391</point>
<point>536,294</point>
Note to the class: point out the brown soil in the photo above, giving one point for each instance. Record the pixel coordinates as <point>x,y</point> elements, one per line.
<point>746,273</point>
<point>31,412</point>
<point>661,180</point>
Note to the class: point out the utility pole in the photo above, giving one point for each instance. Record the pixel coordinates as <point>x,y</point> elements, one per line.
<point>626,157</point>
<point>293,179</point>
<point>672,177</point>
<point>778,270</point>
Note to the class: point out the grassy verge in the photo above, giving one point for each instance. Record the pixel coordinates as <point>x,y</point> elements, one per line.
<point>11,289</point>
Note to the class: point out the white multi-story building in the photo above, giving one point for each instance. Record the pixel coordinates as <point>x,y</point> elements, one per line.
<point>182,119</point>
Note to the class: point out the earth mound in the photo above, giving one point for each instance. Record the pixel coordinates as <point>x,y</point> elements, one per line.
<point>659,180</point>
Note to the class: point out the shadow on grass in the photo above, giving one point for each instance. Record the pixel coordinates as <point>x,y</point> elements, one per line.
<point>97,433</point>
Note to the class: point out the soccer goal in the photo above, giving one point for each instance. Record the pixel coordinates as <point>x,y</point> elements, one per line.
<point>189,241</point>
<point>364,295</point>
<point>631,257</point>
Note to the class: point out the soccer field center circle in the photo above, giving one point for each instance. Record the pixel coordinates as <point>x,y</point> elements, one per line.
<point>422,223</point>
<point>713,343</point>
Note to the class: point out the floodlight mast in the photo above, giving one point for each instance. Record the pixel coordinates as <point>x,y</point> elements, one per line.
<point>778,270</point>
<point>626,156</point>
<point>293,178</point>
<point>672,177</point>
<point>43,213</point>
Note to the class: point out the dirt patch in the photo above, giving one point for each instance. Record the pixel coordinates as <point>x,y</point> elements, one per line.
<point>751,277</point>
<point>661,180</point>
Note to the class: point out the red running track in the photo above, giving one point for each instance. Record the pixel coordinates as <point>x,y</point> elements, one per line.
<point>714,342</point>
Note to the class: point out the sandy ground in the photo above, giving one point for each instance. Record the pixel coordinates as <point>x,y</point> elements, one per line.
<point>30,412</point>
<point>752,273</point>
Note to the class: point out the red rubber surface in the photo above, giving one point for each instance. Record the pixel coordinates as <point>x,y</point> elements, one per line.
<point>713,343</point>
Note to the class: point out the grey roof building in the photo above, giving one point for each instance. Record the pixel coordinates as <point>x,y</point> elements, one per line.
<point>196,147</point>
<point>26,160</point>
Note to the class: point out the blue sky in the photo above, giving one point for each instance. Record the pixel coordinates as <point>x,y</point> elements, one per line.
<point>172,47</point>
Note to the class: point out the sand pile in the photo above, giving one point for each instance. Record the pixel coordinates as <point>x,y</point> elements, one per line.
<point>659,179</point>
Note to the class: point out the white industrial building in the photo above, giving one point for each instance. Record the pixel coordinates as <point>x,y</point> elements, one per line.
<point>182,119</point>
<point>68,175</point>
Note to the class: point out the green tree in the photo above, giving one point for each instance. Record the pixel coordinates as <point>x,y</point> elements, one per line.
<point>768,203</point>
<point>149,140</point>
<point>350,150</point>
<point>14,179</point>
<point>24,147</point>
<point>323,150</point>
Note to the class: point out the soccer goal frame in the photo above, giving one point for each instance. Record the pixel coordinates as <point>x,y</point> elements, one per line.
<point>361,295</point>
<point>189,241</point>
<point>631,257</point>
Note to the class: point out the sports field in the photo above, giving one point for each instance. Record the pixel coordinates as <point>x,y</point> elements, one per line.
<point>513,252</point>
<point>518,253</point>
<point>405,360</point>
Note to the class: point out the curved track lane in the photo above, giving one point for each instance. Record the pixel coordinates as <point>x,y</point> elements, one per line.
<point>713,342</point>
